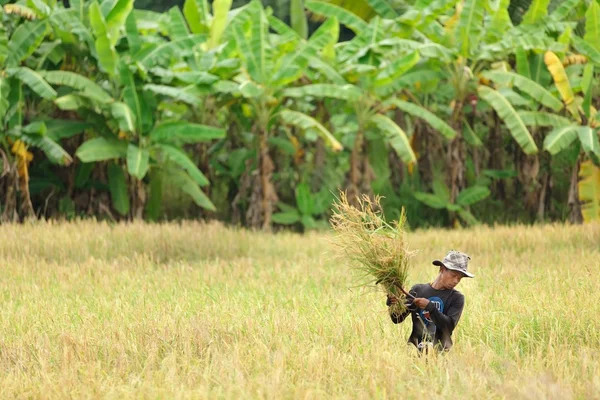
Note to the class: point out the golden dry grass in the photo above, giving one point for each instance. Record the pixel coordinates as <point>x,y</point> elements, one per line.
<point>198,311</point>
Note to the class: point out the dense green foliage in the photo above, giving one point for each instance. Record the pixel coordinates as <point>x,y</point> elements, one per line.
<point>460,111</point>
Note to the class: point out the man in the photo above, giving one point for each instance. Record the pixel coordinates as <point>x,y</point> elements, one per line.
<point>437,307</point>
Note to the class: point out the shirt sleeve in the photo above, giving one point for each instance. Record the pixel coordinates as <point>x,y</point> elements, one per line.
<point>447,322</point>
<point>398,318</point>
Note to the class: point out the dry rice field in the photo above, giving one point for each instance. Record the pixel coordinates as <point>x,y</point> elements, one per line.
<point>92,310</point>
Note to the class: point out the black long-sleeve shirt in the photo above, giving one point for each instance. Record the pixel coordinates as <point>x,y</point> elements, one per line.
<point>437,321</point>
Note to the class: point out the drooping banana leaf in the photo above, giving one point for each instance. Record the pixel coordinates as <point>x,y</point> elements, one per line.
<point>181,159</point>
<point>510,117</point>
<point>526,85</point>
<point>560,138</point>
<point>138,161</point>
<point>118,188</point>
<point>34,80</point>
<point>306,122</point>
<point>426,115</point>
<point>395,136</point>
<point>345,17</point>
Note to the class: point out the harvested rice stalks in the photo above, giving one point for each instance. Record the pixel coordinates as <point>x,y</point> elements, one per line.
<point>375,248</point>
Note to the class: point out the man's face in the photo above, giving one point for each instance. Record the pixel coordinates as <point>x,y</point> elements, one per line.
<point>450,278</point>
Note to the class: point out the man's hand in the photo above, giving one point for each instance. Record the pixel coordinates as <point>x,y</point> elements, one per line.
<point>408,303</point>
<point>421,302</point>
<point>391,300</point>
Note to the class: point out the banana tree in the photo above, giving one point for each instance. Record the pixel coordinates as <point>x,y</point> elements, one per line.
<point>583,124</point>
<point>203,81</point>
<point>472,34</point>
<point>270,64</point>
<point>396,38</point>
<point>366,75</point>
<point>589,173</point>
<point>124,105</point>
<point>579,115</point>
<point>21,127</point>
<point>543,28</point>
<point>216,96</point>
<point>576,124</point>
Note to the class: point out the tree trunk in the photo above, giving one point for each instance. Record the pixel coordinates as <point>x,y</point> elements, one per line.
<point>455,156</point>
<point>575,216</point>
<point>544,185</point>
<point>396,169</point>
<point>394,161</point>
<point>263,194</point>
<point>237,203</point>
<point>360,171</point>
<point>23,179</point>
<point>318,166</point>
<point>423,142</point>
<point>10,213</point>
<point>495,161</point>
<point>543,196</point>
<point>269,196</point>
<point>528,167</point>
<point>137,191</point>
<point>475,150</point>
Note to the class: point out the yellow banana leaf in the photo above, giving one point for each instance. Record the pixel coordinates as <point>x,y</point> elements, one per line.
<point>19,149</point>
<point>24,157</point>
<point>589,191</point>
<point>452,22</point>
<point>561,80</point>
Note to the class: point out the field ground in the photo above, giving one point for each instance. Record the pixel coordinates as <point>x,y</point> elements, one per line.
<point>199,311</point>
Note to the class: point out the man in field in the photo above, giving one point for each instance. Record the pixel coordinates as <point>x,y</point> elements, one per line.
<point>437,307</point>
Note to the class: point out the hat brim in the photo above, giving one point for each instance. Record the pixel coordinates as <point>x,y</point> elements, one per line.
<point>441,264</point>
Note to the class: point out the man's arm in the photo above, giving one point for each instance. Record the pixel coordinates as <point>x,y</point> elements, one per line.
<point>447,322</point>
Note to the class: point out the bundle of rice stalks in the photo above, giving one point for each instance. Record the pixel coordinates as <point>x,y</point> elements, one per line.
<point>375,248</point>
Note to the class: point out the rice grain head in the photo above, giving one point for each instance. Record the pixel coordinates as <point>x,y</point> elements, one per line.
<point>375,248</point>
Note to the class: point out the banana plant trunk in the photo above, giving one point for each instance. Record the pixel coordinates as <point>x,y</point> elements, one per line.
<point>320,154</point>
<point>138,196</point>
<point>545,194</point>
<point>496,154</point>
<point>22,176</point>
<point>575,216</point>
<point>9,196</point>
<point>528,167</point>
<point>360,170</point>
<point>263,194</point>
<point>396,165</point>
<point>544,186</point>
<point>318,166</point>
<point>456,154</point>
<point>423,141</point>
<point>269,197</point>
